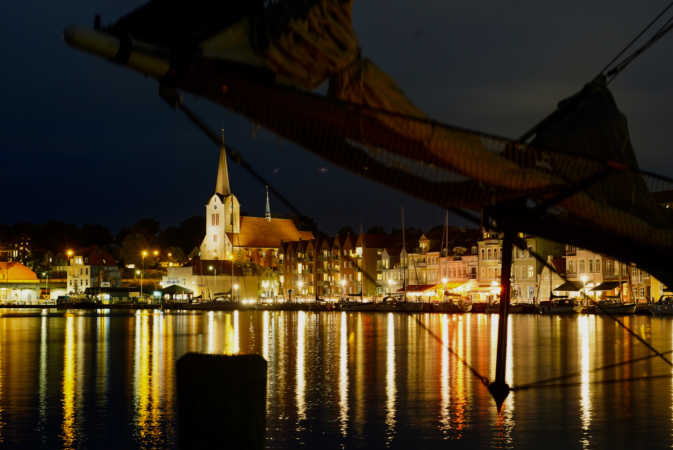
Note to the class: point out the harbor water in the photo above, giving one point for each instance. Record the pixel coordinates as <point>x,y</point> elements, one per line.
<point>101,379</point>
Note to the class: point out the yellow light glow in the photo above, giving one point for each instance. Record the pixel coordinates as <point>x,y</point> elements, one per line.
<point>391,389</point>
<point>343,374</point>
<point>236,287</point>
<point>444,280</point>
<point>300,374</point>
<point>69,252</point>
<point>143,253</point>
<point>300,284</point>
<point>343,282</point>
<point>156,253</point>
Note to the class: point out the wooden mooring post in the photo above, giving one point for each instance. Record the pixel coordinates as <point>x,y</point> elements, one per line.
<point>221,401</point>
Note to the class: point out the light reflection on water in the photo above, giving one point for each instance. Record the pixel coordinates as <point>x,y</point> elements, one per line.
<point>335,380</point>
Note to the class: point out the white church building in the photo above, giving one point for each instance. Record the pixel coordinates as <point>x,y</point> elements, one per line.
<point>231,238</point>
<point>243,238</point>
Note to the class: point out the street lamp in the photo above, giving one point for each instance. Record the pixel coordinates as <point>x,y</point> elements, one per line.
<point>47,285</point>
<point>235,287</point>
<point>343,286</point>
<point>142,270</point>
<point>584,279</point>
<point>390,286</point>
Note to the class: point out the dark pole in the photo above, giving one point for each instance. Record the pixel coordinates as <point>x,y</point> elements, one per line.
<point>499,389</point>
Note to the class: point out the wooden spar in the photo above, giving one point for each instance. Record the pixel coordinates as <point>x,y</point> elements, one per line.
<point>499,388</point>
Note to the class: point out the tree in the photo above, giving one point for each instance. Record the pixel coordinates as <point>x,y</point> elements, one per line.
<point>147,227</point>
<point>343,231</point>
<point>377,229</point>
<point>94,235</point>
<point>176,254</point>
<point>132,248</point>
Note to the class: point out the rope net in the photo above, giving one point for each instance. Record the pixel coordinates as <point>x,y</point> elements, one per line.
<point>577,181</point>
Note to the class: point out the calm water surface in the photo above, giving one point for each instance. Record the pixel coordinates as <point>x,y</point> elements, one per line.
<point>337,380</point>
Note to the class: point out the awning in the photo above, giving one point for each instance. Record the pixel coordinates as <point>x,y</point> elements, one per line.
<point>418,288</point>
<point>175,289</point>
<point>568,286</point>
<point>606,286</point>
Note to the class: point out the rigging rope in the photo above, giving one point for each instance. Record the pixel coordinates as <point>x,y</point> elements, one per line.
<point>612,73</point>
<point>520,243</point>
<point>638,36</point>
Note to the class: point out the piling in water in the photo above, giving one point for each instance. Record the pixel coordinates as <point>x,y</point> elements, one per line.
<point>221,401</point>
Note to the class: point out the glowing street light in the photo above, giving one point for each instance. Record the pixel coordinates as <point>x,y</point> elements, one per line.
<point>69,252</point>
<point>142,254</point>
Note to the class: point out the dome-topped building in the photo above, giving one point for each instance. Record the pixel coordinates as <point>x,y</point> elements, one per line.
<point>17,283</point>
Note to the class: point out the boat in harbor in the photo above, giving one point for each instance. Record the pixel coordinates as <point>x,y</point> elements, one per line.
<point>562,305</point>
<point>663,307</point>
<point>613,306</point>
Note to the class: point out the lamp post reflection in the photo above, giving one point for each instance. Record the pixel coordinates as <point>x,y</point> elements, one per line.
<point>343,374</point>
<point>300,375</point>
<point>391,390</point>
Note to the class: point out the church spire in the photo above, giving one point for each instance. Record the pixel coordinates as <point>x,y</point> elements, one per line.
<point>222,184</point>
<point>267,216</point>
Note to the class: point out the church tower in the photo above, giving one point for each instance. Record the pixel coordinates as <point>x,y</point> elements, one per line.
<point>223,220</point>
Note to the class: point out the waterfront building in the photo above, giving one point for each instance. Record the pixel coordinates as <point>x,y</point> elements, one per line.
<point>527,285</point>
<point>243,238</point>
<point>18,283</point>
<point>369,258</point>
<point>489,256</point>
<point>93,268</point>
<point>391,272</point>
<point>221,279</point>
<point>599,276</point>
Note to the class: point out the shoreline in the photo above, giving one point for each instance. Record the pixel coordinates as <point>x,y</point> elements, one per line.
<point>446,308</point>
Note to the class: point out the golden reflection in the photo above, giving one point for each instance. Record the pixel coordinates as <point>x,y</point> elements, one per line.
<point>141,382</point>
<point>584,326</point>
<point>271,373</point>
<point>210,347</point>
<point>156,376</point>
<point>461,376</point>
<point>445,385</point>
<point>43,373</point>
<point>151,374</point>
<point>301,381</point>
<point>68,426</point>
<point>494,343</point>
<point>265,336</point>
<point>391,390</point>
<point>102,325</point>
<point>237,337</point>
<point>343,374</point>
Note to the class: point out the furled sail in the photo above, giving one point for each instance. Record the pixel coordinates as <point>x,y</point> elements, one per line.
<point>263,61</point>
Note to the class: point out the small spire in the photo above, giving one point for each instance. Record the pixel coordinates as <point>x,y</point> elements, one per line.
<point>222,184</point>
<point>267,216</point>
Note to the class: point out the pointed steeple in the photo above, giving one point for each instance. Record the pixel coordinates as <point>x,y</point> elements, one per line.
<point>222,184</point>
<point>267,215</point>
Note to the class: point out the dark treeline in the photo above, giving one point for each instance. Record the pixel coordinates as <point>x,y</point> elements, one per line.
<point>54,238</point>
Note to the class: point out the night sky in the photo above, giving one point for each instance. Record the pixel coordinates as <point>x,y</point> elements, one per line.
<point>85,141</point>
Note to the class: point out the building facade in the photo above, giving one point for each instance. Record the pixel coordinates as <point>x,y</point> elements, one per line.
<point>230,236</point>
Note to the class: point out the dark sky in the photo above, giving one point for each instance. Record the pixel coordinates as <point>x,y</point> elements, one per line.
<point>85,141</point>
